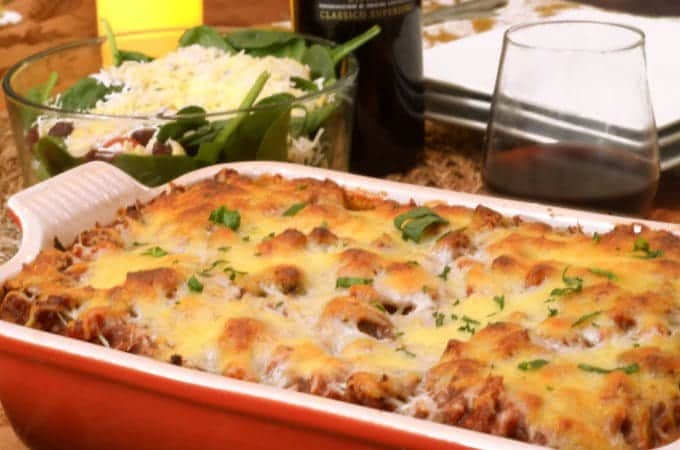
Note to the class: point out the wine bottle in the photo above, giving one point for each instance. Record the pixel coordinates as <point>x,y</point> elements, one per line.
<point>388,130</point>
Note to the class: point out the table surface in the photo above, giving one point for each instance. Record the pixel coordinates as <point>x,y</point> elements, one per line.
<point>451,159</point>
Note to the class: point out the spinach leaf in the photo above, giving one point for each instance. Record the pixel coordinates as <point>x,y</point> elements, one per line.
<point>153,170</point>
<point>192,139</point>
<point>320,62</point>
<point>250,39</point>
<point>263,133</point>
<point>274,144</point>
<point>294,49</point>
<point>119,56</point>
<point>53,156</point>
<point>206,37</point>
<point>176,129</point>
<point>38,94</point>
<point>338,53</point>
<point>84,94</point>
<point>313,119</point>
<point>210,151</point>
<point>304,84</point>
<point>127,55</point>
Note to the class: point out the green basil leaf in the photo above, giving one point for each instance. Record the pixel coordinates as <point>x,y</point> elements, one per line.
<point>413,223</point>
<point>156,252</point>
<point>641,245</point>
<point>347,282</point>
<point>294,209</point>
<point>629,369</point>
<point>225,216</point>
<point>585,318</point>
<point>205,36</point>
<point>602,273</point>
<point>532,365</point>
<point>194,284</point>
<point>500,301</point>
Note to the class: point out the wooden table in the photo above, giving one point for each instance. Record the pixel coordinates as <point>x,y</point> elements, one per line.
<point>451,160</point>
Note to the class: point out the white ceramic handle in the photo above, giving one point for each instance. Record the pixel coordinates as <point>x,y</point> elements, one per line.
<point>63,206</point>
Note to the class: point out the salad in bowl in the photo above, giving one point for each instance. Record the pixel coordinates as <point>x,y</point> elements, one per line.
<point>245,94</point>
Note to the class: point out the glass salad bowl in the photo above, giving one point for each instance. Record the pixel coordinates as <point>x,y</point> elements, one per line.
<point>62,116</point>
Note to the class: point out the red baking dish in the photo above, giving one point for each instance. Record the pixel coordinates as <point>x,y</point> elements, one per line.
<point>61,393</point>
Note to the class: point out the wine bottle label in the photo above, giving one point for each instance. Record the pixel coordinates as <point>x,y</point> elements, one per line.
<point>362,10</point>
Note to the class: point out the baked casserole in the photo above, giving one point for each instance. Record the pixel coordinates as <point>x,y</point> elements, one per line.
<point>459,316</point>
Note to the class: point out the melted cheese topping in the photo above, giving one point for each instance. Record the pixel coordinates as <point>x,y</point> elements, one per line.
<point>506,327</point>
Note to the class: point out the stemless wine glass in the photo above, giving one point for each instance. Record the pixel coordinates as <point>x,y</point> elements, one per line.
<point>571,119</point>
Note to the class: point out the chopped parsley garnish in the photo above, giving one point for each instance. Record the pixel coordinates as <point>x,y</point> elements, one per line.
<point>469,326</point>
<point>438,318</point>
<point>347,282</point>
<point>602,273</point>
<point>406,351</point>
<point>415,222</point>
<point>233,273</point>
<point>194,284</point>
<point>378,305</point>
<point>644,251</point>
<point>226,248</point>
<point>532,365</point>
<point>454,317</point>
<point>585,318</point>
<point>628,370</point>
<point>444,275</point>
<point>278,304</point>
<point>412,263</point>
<point>138,244</point>
<point>572,285</point>
<point>269,236</point>
<point>500,301</point>
<point>466,319</point>
<point>245,238</point>
<point>552,312</point>
<point>156,252</point>
<point>224,216</point>
<point>294,209</point>
<point>596,237</point>
<point>206,272</point>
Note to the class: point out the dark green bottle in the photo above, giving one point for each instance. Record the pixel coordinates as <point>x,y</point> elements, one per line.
<point>388,128</point>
